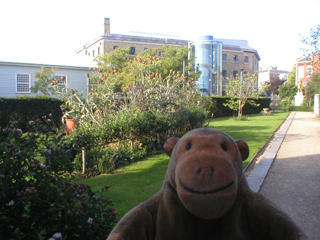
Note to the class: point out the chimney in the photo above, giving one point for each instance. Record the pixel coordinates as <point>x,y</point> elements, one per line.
<point>106,25</point>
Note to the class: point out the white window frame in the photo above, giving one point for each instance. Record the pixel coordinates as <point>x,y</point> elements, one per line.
<point>309,71</point>
<point>23,83</point>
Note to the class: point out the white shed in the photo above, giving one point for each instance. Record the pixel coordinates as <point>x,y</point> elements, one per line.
<point>16,78</point>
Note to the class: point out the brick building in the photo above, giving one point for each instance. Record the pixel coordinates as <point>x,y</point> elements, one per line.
<point>108,42</point>
<point>236,55</point>
<point>304,69</point>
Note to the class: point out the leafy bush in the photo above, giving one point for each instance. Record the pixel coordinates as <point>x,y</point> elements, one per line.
<point>38,203</point>
<point>285,105</point>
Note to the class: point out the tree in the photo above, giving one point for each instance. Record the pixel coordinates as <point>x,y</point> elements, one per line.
<point>240,89</point>
<point>288,91</point>
<point>292,75</point>
<point>312,41</point>
<point>45,77</point>
<point>314,84</point>
<point>118,70</point>
<point>275,83</point>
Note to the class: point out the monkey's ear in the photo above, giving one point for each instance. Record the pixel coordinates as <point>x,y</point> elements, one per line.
<point>243,148</point>
<point>169,145</point>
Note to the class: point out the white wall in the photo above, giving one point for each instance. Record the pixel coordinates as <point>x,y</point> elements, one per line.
<point>76,77</point>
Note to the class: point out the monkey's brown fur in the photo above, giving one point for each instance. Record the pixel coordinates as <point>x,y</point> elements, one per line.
<point>206,196</point>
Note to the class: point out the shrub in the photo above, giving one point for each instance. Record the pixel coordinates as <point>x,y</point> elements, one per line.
<point>285,105</point>
<point>18,112</point>
<point>36,202</point>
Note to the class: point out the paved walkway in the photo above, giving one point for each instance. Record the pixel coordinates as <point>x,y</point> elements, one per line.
<point>289,171</point>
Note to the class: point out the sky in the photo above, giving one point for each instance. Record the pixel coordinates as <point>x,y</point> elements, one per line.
<point>54,29</point>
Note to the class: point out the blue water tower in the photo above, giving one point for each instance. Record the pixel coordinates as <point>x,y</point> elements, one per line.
<point>208,61</point>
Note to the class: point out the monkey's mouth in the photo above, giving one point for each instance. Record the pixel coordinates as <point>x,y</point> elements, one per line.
<point>205,192</point>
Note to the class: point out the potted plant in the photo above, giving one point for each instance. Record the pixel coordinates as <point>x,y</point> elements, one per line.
<point>70,120</point>
<point>73,110</point>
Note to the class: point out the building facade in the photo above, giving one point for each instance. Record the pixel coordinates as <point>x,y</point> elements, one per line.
<point>108,42</point>
<point>236,55</point>
<point>304,69</point>
<point>272,74</point>
<point>17,78</point>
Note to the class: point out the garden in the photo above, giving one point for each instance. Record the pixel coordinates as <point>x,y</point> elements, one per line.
<point>59,184</point>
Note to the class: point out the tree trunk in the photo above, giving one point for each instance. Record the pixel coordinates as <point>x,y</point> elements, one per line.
<point>240,109</point>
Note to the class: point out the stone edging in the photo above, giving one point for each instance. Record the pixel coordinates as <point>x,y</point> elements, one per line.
<point>257,176</point>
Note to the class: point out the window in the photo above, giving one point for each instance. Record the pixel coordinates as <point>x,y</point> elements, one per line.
<point>235,58</point>
<point>309,71</point>
<point>62,81</point>
<point>98,50</point>
<point>235,73</point>
<point>93,53</point>
<point>224,57</point>
<point>246,59</point>
<point>300,71</point>
<point>132,50</point>
<point>22,83</point>
<point>224,73</point>
<point>159,53</point>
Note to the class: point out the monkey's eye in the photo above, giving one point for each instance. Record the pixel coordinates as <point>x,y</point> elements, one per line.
<point>188,146</point>
<point>224,147</point>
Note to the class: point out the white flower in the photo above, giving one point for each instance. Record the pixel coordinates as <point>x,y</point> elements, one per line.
<point>57,236</point>
<point>11,203</point>
<point>90,221</point>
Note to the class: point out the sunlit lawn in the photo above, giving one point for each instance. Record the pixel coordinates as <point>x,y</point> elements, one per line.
<point>139,181</point>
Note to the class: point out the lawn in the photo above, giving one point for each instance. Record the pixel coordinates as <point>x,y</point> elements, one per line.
<point>139,181</point>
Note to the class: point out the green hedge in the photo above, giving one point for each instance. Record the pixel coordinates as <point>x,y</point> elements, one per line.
<point>219,110</point>
<point>18,112</point>
<point>301,108</point>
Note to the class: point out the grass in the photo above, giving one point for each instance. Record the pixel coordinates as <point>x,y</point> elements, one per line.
<point>255,131</point>
<point>139,181</point>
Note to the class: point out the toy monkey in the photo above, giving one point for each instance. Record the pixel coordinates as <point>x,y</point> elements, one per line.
<point>206,196</point>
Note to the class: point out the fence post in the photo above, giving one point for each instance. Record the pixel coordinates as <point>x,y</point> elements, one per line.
<point>316,105</point>
<point>83,160</point>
